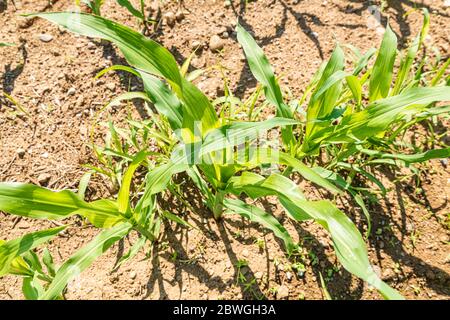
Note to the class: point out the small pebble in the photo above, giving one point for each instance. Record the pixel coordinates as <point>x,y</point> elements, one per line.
<point>289,276</point>
<point>283,292</point>
<point>196,44</point>
<point>133,275</point>
<point>71,91</point>
<point>179,16</point>
<point>20,152</point>
<point>45,37</point>
<point>111,86</point>
<point>216,43</point>
<point>44,178</point>
<point>170,18</point>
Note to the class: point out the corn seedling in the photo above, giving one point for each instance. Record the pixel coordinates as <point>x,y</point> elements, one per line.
<point>18,258</point>
<point>222,154</point>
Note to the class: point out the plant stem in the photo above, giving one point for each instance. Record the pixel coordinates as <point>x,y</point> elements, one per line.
<point>218,204</point>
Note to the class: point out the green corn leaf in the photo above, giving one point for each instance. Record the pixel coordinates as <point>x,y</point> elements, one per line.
<point>255,214</point>
<point>147,56</point>
<point>18,266</point>
<point>381,77</point>
<point>440,73</point>
<point>339,181</point>
<point>40,203</point>
<point>237,133</point>
<point>355,87</point>
<point>368,175</point>
<point>132,252</point>
<point>32,288</point>
<point>216,140</point>
<point>83,185</point>
<point>6,44</point>
<point>363,61</point>
<point>379,115</point>
<point>117,68</point>
<point>176,219</point>
<point>127,4</point>
<point>327,91</point>
<point>348,242</point>
<point>83,258</point>
<point>47,259</point>
<point>256,186</point>
<point>407,62</point>
<point>140,52</point>
<point>263,72</point>
<point>32,259</point>
<point>165,101</point>
<point>409,158</point>
<point>434,112</point>
<point>12,249</point>
<point>261,155</point>
<point>123,197</point>
<point>157,180</point>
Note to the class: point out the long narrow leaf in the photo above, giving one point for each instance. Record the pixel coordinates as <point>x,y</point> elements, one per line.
<point>36,202</point>
<point>12,249</point>
<point>83,258</point>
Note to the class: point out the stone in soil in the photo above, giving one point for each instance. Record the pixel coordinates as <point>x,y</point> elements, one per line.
<point>44,37</point>
<point>111,86</point>
<point>216,43</point>
<point>170,18</point>
<point>283,292</point>
<point>179,16</point>
<point>44,178</point>
<point>21,152</point>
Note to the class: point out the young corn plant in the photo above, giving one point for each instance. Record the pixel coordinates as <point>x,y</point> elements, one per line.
<point>354,117</point>
<point>17,257</point>
<point>217,153</point>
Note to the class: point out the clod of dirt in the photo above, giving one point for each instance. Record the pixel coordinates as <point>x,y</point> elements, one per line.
<point>21,152</point>
<point>283,292</point>
<point>111,86</point>
<point>169,18</point>
<point>216,43</point>
<point>24,22</point>
<point>289,276</point>
<point>44,178</point>
<point>196,45</point>
<point>227,4</point>
<point>44,37</point>
<point>179,16</point>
